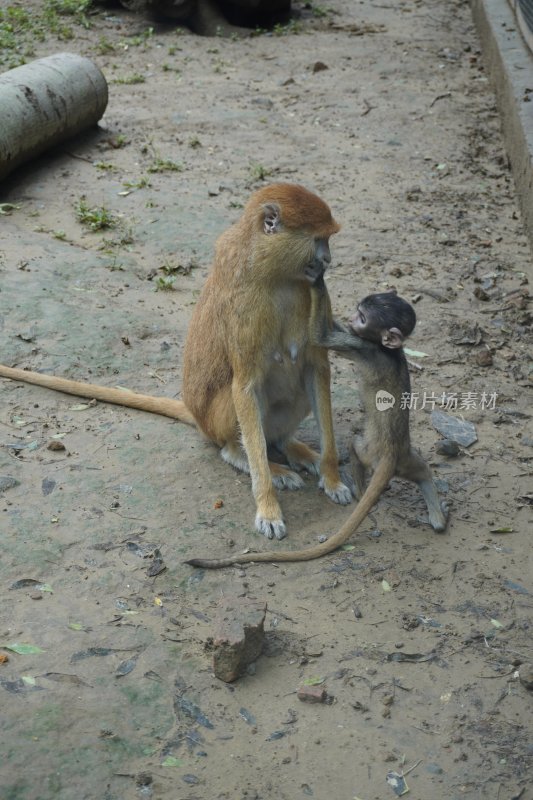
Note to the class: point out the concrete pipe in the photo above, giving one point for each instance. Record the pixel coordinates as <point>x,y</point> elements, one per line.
<point>46,102</point>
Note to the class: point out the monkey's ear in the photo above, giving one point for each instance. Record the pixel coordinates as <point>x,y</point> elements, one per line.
<point>271,218</point>
<point>392,338</point>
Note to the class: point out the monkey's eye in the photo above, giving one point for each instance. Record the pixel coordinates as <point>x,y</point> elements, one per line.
<point>362,318</point>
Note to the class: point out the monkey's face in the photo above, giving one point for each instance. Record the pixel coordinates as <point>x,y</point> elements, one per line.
<point>319,262</point>
<point>296,226</point>
<point>299,254</point>
<point>363,325</point>
<point>367,324</point>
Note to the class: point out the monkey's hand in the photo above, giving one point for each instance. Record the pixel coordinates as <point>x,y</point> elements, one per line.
<point>315,275</point>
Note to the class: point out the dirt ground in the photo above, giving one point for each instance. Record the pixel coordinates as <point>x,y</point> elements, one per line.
<point>423,641</point>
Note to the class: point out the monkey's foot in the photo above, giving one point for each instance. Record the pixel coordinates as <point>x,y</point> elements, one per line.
<point>289,480</point>
<point>339,493</point>
<point>300,456</point>
<point>347,479</point>
<point>438,518</point>
<point>270,527</point>
<point>232,454</point>
<point>284,478</point>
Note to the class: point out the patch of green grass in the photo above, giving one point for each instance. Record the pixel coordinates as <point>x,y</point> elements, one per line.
<point>291,27</point>
<point>119,141</point>
<point>142,183</point>
<point>76,10</point>
<point>177,269</point>
<point>165,165</point>
<point>7,208</point>
<point>105,46</point>
<point>71,8</point>
<point>15,25</point>
<point>165,283</point>
<point>259,172</point>
<point>135,77</point>
<point>139,40</point>
<point>122,240</point>
<point>280,29</point>
<point>219,64</point>
<point>21,27</point>
<point>318,11</point>
<point>106,166</point>
<point>96,218</point>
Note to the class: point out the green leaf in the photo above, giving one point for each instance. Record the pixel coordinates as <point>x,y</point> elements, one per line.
<point>496,623</point>
<point>414,353</point>
<point>172,761</point>
<point>314,681</point>
<point>29,680</point>
<point>23,649</point>
<point>385,585</point>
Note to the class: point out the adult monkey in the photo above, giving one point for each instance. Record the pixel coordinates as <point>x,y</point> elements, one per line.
<point>251,374</point>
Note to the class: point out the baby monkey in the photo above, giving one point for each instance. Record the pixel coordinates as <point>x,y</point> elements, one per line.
<point>374,341</point>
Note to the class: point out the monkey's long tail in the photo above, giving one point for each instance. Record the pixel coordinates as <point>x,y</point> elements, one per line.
<point>165,406</point>
<point>383,473</point>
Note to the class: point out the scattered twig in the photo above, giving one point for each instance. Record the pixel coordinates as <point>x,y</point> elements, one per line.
<point>492,677</point>
<point>440,97</point>
<point>155,375</point>
<point>441,298</point>
<point>282,615</point>
<point>415,765</point>
<point>368,108</point>
<point>81,158</point>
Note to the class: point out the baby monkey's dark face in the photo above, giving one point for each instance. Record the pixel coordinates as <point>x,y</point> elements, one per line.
<point>365,324</point>
<point>384,318</point>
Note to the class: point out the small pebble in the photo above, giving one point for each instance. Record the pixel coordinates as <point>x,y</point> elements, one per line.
<point>312,694</point>
<point>7,482</point>
<point>55,445</point>
<point>484,357</point>
<point>447,448</point>
<point>143,779</point>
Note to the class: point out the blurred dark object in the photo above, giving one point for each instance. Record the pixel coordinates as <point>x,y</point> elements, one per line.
<point>212,17</point>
